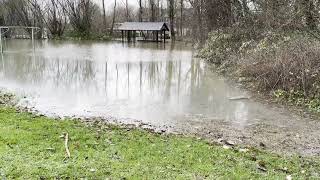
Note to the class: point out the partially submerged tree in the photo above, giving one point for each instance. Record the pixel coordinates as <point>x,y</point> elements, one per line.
<point>113,17</point>
<point>104,14</point>
<point>171,12</point>
<point>80,13</point>
<point>19,13</point>
<point>55,17</point>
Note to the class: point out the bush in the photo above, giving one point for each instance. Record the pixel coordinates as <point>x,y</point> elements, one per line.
<point>290,64</point>
<point>286,63</point>
<point>222,44</point>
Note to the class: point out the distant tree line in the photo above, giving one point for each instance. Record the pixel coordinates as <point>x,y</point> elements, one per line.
<point>188,18</point>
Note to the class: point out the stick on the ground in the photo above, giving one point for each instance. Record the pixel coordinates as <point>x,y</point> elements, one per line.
<point>66,139</point>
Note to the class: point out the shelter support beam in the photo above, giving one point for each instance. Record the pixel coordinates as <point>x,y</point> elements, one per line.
<point>157,36</point>
<point>152,30</point>
<point>122,35</point>
<point>1,48</point>
<point>129,36</point>
<point>32,37</point>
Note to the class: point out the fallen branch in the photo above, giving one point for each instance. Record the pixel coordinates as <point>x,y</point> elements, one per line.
<point>66,139</point>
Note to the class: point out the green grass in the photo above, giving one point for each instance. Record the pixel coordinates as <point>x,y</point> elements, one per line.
<point>31,148</point>
<point>297,98</point>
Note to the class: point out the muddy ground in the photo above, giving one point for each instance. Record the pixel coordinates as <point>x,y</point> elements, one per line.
<point>293,134</point>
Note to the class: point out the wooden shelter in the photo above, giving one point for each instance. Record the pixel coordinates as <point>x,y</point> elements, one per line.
<point>131,28</point>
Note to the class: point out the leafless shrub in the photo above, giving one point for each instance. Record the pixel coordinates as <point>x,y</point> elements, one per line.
<point>80,13</point>
<point>55,18</point>
<point>292,65</point>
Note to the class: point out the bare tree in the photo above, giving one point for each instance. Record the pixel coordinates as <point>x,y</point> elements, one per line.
<point>127,11</point>
<point>218,13</point>
<point>19,13</point>
<point>80,14</point>
<point>55,18</point>
<point>25,13</point>
<point>186,17</point>
<point>2,13</point>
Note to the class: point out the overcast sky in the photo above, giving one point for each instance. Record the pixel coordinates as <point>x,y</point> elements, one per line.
<point>109,3</point>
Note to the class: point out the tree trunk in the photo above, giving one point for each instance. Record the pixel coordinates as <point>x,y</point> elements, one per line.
<point>200,25</point>
<point>104,15</point>
<point>140,11</point>
<point>171,17</point>
<point>181,17</point>
<point>127,11</point>
<point>152,9</point>
<point>114,17</point>
<point>158,10</point>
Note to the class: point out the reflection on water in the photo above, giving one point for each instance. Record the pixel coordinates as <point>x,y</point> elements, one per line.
<point>143,81</point>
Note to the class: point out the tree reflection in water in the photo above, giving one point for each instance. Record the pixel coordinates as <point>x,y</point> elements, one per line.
<point>141,81</point>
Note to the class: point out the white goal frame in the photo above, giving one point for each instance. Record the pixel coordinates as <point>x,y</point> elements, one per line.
<point>33,31</point>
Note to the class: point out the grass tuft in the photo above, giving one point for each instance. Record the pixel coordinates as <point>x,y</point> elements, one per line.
<point>31,147</point>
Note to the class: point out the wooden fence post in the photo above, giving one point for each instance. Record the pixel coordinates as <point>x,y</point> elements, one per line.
<point>1,48</point>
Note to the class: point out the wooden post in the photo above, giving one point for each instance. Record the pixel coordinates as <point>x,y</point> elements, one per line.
<point>128,36</point>
<point>32,37</point>
<point>122,38</point>
<point>157,36</point>
<point>1,48</point>
<point>164,36</point>
<point>147,35</point>
<point>32,33</point>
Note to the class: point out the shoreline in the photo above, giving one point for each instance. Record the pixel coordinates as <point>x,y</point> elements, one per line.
<point>218,133</point>
<point>104,150</point>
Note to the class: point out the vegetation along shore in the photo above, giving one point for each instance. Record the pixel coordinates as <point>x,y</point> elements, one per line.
<point>36,146</point>
<point>270,47</point>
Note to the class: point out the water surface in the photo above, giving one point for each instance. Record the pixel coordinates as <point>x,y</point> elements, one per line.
<point>146,82</point>
<point>143,81</point>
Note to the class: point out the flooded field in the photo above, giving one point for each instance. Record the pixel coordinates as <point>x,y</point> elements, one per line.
<point>164,86</point>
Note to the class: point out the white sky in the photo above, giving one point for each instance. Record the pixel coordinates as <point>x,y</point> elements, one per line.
<point>109,3</point>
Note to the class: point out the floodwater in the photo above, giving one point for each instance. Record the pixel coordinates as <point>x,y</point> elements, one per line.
<point>156,84</point>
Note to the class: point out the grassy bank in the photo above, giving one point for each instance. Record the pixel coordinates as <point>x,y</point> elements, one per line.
<point>32,147</point>
<point>283,64</point>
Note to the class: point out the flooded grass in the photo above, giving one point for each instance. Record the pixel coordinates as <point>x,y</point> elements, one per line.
<point>32,147</point>
<point>162,86</point>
